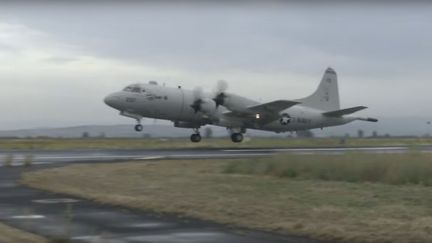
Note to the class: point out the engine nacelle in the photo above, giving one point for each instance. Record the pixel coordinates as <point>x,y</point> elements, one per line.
<point>208,106</point>
<point>181,124</point>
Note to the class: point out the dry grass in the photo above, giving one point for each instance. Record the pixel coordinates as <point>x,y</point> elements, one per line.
<point>330,210</point>
<point>396,169</point>
<point>12,235</point>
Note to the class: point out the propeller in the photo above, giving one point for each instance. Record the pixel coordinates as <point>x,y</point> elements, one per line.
<point>220,95</point>
<point>198,99</point>
<point>207,105</point>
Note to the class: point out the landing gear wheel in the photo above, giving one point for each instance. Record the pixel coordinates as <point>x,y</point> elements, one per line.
<point>237,137</point>
<point>138,127</point>
<point>195,138</point>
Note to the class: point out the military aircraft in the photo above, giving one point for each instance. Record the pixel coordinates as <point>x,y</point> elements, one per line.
<point>196,108</point>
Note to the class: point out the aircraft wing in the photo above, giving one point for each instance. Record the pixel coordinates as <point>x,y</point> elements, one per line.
<point>343,112</point>
<point>266,111</point>
<point>272,107</point>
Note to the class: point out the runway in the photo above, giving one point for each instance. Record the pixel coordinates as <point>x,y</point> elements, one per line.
<point>58,215</point>
<point>71,156</point>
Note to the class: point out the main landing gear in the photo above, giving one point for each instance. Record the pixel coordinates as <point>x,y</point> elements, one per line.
<point>237,134</point>
<point>196,137</point>
<point>237,137</point>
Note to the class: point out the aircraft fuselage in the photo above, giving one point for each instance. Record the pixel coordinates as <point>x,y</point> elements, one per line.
<point>174,104</point>
<point>194,108</point>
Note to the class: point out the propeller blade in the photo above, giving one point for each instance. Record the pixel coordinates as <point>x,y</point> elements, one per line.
<point>220,99</point>
<point>222,86</point>
<point>198,96</point>
<point>198,93</point>
<point>196,106</point>
<point>220,95</point>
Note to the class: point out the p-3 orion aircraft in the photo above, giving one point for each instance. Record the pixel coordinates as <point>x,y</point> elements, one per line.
<point>196,108</point>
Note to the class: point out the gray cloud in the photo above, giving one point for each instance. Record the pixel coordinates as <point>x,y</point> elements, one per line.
<point>381,51</point>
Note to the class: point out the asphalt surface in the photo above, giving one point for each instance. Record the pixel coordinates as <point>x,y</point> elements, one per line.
<point>57,215</point>
<point>73,156</point>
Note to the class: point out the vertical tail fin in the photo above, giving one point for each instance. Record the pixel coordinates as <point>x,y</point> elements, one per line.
<point>326,97</point>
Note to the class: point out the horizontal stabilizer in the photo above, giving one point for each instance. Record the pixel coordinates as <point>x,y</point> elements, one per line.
<point>273,107</point>
<point>339,113</point>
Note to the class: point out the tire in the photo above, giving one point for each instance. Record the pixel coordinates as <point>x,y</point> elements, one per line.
<point>139,127</point>
<point>237,137</point>
<point>195,138</point>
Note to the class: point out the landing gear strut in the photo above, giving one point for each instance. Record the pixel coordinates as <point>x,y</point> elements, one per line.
<point>196,137</point>
<point>138,127</point>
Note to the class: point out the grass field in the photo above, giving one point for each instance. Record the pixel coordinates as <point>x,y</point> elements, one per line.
<point>396,169</point>
<point>151,143</point>
<point>237,193</point>
<point>12,235</point>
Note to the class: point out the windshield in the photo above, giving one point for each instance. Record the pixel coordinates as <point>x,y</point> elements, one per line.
<point>133,88</point>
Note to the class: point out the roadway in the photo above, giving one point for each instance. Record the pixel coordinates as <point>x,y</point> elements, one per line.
<point>58,215</point>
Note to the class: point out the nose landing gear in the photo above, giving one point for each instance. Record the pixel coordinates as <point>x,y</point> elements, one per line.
<point>138,127</point>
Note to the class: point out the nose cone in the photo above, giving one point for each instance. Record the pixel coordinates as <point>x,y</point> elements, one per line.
<point>112,100</point>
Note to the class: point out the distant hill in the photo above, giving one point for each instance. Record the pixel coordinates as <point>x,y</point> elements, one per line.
<point>116,131</point>
<point>406,126</point>
<point>97,131</point>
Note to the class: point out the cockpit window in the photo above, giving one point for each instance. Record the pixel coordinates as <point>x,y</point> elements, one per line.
<point>133,88</point>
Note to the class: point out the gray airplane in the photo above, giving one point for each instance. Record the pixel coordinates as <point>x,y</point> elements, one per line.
<point>195,108</point>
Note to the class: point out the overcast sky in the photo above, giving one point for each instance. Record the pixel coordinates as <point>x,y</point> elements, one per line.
<point>58,60</point>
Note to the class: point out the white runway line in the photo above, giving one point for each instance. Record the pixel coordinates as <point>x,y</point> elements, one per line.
<point>151,158</point>
<point>91,238</point>
<point>147,225</point>
<point>89,157</point>
<point>55,200</point>
<point>32,216</point>
<point>217,155</point>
